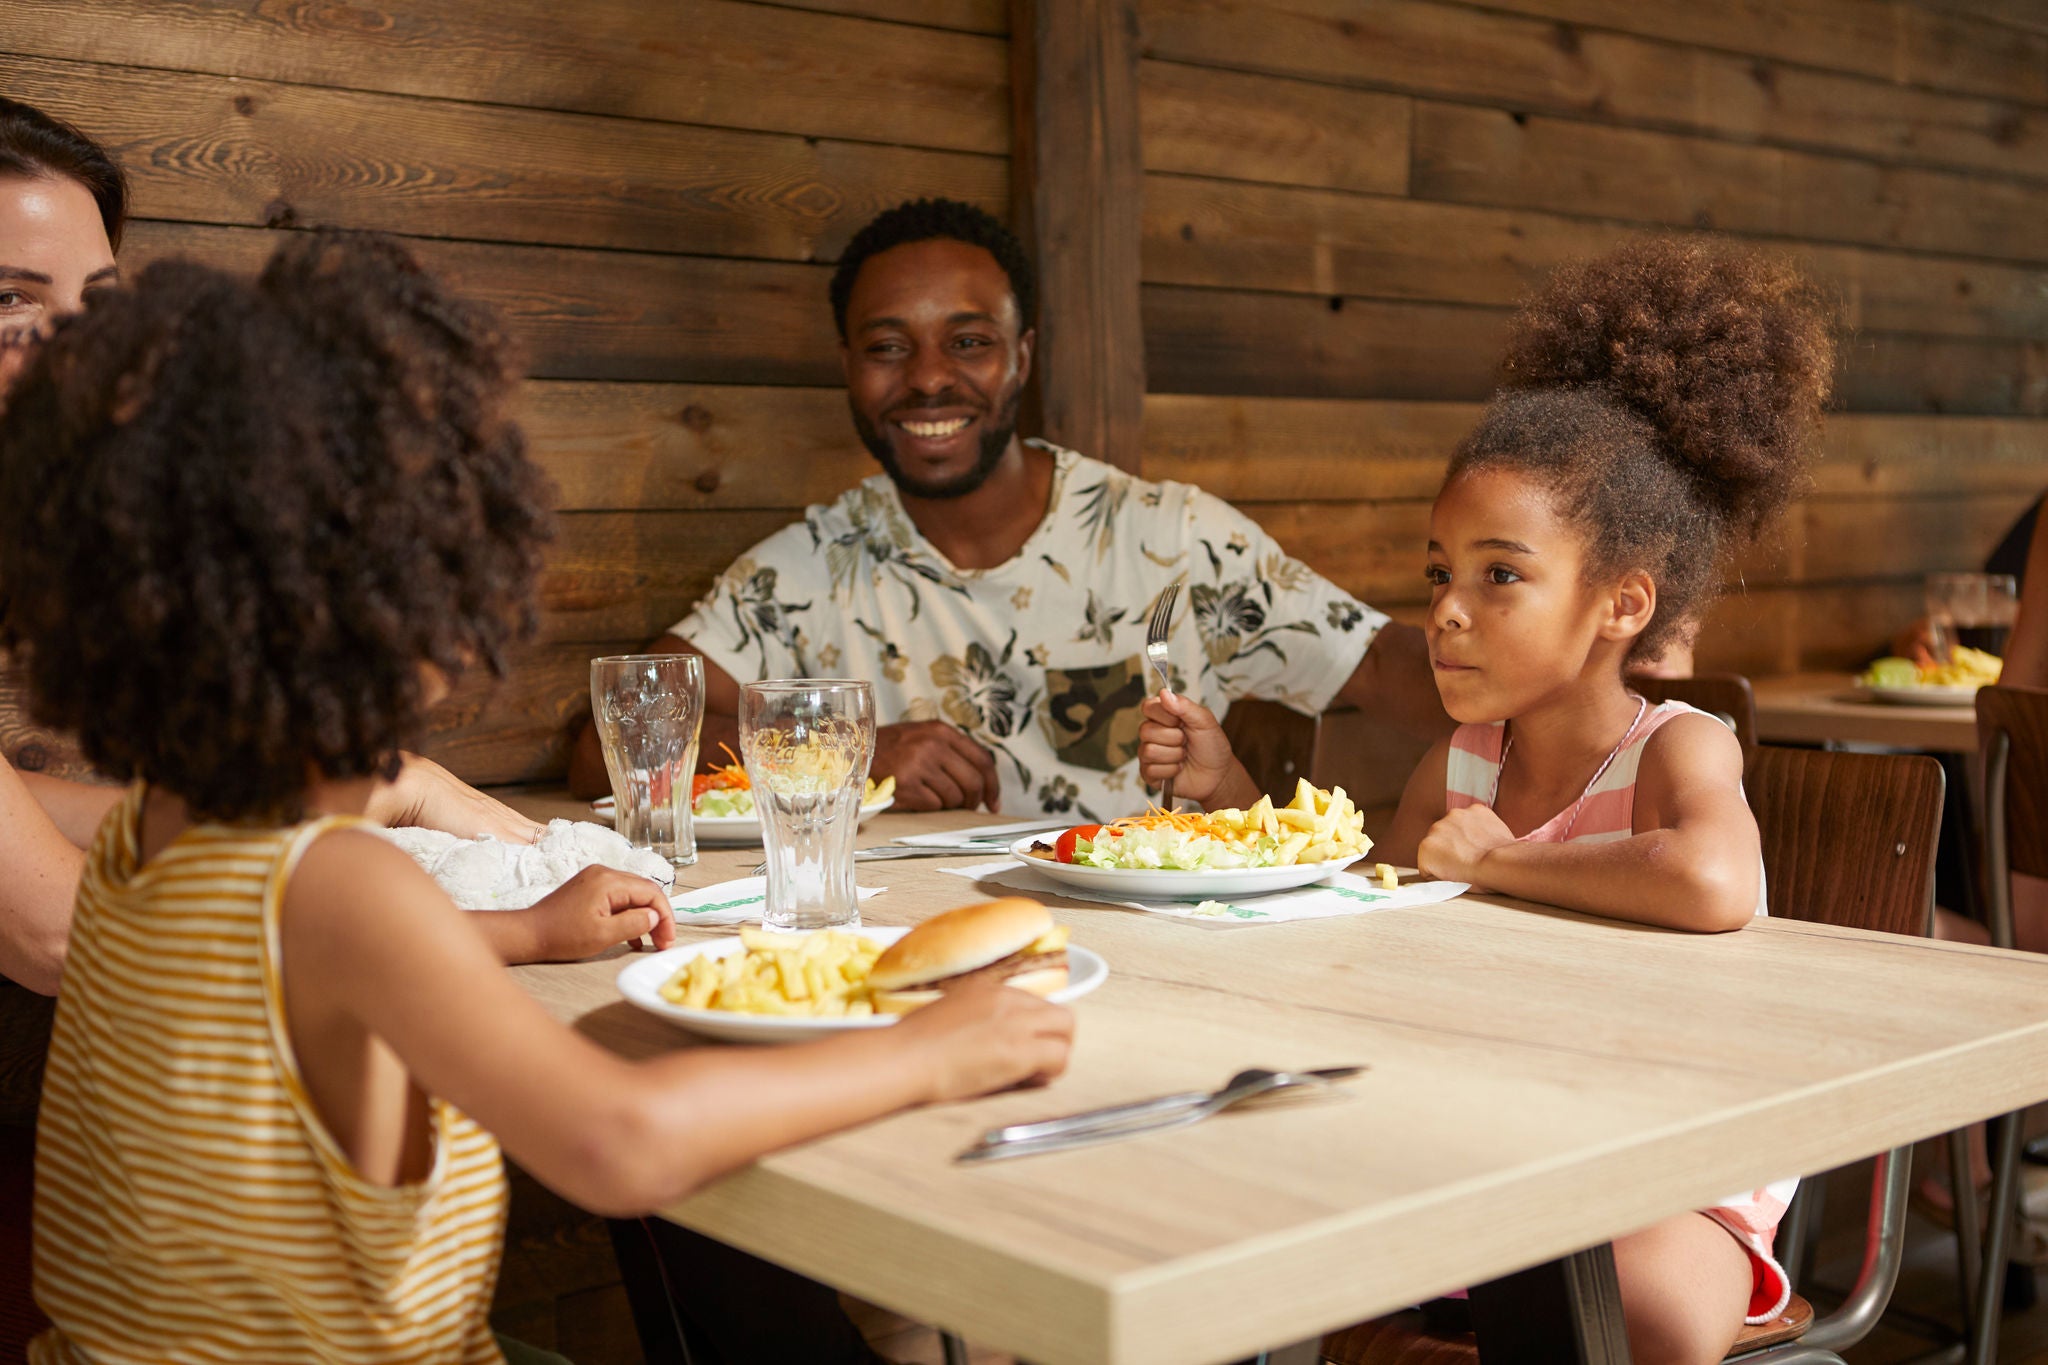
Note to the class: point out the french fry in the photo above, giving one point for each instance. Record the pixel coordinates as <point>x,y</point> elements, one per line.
<point>821,974</point>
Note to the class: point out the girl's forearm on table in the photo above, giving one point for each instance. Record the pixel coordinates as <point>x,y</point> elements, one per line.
<point>1660,878</point>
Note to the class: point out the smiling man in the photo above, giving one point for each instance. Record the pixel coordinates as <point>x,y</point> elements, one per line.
<point>995,590</point>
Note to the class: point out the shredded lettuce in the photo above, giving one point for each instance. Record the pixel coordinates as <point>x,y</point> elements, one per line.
<point>1174,850</point>
<point>722,803</point>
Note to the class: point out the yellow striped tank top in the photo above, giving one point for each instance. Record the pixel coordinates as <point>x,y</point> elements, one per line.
<point>190,1204</point>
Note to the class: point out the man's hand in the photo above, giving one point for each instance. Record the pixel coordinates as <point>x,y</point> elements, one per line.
<point>1457,845</point>
<point>936,767</point>
<point>427,795</point>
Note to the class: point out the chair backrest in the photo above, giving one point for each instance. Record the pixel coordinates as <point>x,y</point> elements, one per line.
<point>2013,721</point>
<point>1275,743</point>
<point>1848,838</point>
<point>1726,695</point>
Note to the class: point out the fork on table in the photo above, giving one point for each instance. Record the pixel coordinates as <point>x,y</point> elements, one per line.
<point>1156,632</point>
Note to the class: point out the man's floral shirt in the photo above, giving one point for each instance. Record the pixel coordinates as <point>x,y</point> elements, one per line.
<point>1041,659</point>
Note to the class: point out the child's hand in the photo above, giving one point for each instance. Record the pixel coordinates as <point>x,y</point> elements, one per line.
<point>593,910</point>
<point>990,1037</point>
<point>1457,844</point>
<point>1182,740</point>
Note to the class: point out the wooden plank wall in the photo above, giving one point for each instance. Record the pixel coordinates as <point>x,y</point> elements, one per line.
<point>1343,201</point>
<point>650,190</point>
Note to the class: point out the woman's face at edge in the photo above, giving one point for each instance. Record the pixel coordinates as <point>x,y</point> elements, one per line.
<point>53,252</point>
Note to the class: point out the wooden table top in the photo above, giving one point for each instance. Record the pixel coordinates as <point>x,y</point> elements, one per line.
<point>1812,708</point>
<point>1540,1082</point>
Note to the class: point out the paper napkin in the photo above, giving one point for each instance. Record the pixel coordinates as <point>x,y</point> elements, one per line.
<point>740,901</point>
<point>1341,893</point>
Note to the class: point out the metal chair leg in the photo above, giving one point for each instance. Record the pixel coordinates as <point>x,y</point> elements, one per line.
<point>1792,1233</point>
<point>1963,1207</point>
<point>2004,1136</point>
<point>954,1347</point>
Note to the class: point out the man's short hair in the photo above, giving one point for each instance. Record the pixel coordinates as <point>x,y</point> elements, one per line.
<point>923,220</point>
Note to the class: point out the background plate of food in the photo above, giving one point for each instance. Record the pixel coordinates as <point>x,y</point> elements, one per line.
<point>1192,856</point>
<point>762,986</point>
<point>722,805</point>
<point>1902,682</point>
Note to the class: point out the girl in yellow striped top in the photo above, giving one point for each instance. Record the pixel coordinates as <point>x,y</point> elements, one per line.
<point>249,534</point>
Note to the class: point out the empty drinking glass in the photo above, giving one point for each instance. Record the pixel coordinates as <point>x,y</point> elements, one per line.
<point>807,743</point>
<point>1973,609</point>
<point>649,710</point>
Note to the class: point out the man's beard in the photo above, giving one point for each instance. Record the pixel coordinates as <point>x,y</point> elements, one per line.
<point>995,440</point>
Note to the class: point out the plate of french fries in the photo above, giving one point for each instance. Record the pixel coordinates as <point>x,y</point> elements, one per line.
<point>773,986</point>
<point>1185,855</point>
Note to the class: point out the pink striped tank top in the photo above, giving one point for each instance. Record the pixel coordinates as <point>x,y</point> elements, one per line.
<point>1604,813</point>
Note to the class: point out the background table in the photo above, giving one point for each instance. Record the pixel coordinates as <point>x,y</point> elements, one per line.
<point>1541,1082</point>
<point>1818,708</point>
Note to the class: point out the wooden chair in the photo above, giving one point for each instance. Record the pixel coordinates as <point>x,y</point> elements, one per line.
<point>2012,732</point>
<point>1726,695</point>
<point>1276,743</point>
<point>1848,839</point>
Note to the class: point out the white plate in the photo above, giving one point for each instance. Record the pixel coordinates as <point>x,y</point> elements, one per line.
<point>730,829</point>
<point>1924,695</point>
<point>641,980</point>
<point>1144,884</point>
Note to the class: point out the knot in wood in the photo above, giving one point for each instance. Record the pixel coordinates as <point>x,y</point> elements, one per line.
<point>279,213</point>
<point>245,104</point>
<point>696,418</point>
<point>708,481</point>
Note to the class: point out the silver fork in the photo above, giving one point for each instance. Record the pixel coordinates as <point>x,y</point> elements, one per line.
<point>1155,653</point>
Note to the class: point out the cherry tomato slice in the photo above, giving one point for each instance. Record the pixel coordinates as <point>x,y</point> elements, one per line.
<point>1063,849</point>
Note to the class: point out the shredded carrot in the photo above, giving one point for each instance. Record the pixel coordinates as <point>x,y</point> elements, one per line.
<point>722,777</point>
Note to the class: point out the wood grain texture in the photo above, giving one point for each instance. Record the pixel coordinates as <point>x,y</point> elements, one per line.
<point>1762,632</point>
<point>1232,341</point>
<point>2021,715</point>
<point>632,575</point>
<point>582,314</point>
<point>1495,156</point>
<point>1824,707</point>
<point>31,748</point>
<point>1231,234</point>
<point>491,732</point>
<point>674,447</point>
<point>716,62</point>
<point>1848,839</point>
<point>1078,175</point>
<point>1201,1245</point>
<point>1589,71</point>
<point>969,16</point>
<point>1282,345</point>
<point>211,149</point>
<point>1297,449</point>
<point>1375,550</point>
<point>1240,126</point>
<point>1885,39</point>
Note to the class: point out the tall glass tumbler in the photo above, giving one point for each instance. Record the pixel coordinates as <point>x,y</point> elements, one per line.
<point>649,710</point>
<point>807,743</point>
<point>1974,609</point>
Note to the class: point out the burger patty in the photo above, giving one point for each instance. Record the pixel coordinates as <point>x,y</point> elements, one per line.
<point>1016,964</point>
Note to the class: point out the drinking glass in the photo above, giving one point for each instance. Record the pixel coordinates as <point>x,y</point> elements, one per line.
<point>649,710</point>
<point>807,743</point>
<point>1973,609</point>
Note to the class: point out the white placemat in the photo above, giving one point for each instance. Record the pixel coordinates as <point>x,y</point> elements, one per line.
<point>740,901</point>
<point>1342,893</point>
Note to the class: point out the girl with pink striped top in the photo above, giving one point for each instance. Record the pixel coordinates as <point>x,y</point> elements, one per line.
<point>1656,409</point>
